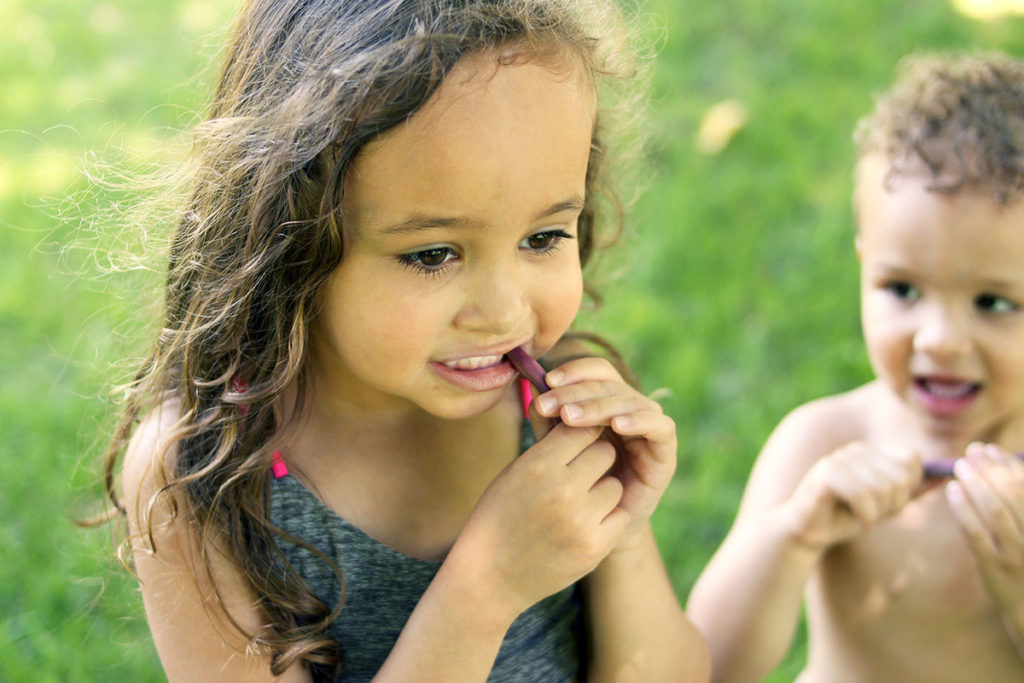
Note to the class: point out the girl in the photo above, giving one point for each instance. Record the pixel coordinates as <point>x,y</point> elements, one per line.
<point>328,473</point>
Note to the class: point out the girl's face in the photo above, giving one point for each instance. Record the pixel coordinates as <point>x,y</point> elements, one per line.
<point>460,230</point>
<point>942,288</point>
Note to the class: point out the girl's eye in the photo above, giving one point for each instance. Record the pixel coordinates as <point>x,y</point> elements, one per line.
<point>992,303</point>
<point>549,240</point>
<point>904,291</point>
<point>431,260</point>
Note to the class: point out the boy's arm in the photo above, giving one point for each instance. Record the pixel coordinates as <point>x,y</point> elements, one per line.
<point>747,600</point>
<point>638,630</point>
<point>815,485</point>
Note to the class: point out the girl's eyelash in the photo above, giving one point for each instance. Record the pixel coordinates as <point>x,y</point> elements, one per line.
<point>556,236</point>
<point>415,260</point>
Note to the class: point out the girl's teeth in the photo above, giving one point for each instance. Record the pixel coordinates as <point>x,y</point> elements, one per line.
<point>473,363</point>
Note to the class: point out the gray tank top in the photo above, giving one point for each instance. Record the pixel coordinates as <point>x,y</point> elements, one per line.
<point>382,586</point>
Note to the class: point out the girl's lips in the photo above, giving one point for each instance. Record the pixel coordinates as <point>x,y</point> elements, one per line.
<point>946,397</point>
<point>477,373</point>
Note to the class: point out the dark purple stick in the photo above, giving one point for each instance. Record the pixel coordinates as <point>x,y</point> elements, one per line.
<point>528,368</point>
<point>531,370</point>
<point>941,469</point>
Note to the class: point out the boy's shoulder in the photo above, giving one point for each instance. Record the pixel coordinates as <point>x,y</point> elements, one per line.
<point>810,432</point>
<point>835,420</point>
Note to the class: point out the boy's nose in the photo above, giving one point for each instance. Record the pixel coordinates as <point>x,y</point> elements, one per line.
<point>943,332</point>
<point>496,304</point>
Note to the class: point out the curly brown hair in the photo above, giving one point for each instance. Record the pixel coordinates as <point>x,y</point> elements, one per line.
<point>962,116</point>
<point>304,86</point>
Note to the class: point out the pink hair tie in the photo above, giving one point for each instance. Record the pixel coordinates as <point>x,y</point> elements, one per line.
<point>277,466</point>
<point>525,395</point>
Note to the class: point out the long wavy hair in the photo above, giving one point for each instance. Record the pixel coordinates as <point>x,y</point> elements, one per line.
<point>961,115</point>
<point>305,84</point>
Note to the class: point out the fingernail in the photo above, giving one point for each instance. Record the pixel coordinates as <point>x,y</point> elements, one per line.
<point>572,412</point>
<point>954,494</point>
<point>555,377</point>
<point>546,403</point>
<point>621,421</point>
<point>960,468</point>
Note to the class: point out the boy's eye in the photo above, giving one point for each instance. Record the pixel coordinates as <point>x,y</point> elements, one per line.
<point>993,303</point>
<point>903,291</point>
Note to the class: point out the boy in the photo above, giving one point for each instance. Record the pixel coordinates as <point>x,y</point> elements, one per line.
<point>906,578</point>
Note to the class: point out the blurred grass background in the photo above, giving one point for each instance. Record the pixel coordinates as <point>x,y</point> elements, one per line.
<point>740,299</point>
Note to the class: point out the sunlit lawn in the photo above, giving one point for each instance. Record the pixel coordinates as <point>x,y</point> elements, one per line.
<point>739,299</point>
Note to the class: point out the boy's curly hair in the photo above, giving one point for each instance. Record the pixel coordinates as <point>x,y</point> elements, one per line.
<point>962,116</point>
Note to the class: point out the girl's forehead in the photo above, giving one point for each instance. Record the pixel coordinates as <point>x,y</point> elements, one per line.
<point>484,88</point>
<point>494,137</point>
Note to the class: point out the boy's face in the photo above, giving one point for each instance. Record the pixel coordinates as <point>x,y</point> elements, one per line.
<point>942,301</point>
<point>460,241</point>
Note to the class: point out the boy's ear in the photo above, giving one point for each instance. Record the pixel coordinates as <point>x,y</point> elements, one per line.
<point>857,246</point>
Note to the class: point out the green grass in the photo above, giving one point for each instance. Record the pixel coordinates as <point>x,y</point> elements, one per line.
<point>740,297</point>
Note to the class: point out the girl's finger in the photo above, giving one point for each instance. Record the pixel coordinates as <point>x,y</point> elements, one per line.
<point>588,390</point>
<point>600,411</point>
<point>592,463</point>
<point>654,426</point>
<point>590,367</point>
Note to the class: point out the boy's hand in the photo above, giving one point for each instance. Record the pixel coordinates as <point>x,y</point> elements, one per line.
<point>987,498</point>
<point>590,392</point>
<point>848,491</point>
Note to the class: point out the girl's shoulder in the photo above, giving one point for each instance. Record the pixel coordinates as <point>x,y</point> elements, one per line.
<point>150,449</point>
<point>198,601</point>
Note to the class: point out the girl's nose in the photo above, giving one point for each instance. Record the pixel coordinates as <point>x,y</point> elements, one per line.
<point>496,303</point>
<point>943,332</point>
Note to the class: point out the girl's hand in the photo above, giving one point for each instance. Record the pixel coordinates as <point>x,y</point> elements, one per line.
<point>545,522</point>
<point>589,392</point>
<point>987,499</point>
<point>848,491</point>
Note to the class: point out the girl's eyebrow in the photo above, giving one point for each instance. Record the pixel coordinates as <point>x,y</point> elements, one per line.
<point>418,222</point>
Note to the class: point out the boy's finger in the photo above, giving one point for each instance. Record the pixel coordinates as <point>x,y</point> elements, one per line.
<point>970,522</point>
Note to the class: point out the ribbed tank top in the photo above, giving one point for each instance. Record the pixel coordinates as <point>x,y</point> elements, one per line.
<point>382,586</point>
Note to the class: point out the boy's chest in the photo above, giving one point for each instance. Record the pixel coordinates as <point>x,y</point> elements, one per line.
<point>917,564</point>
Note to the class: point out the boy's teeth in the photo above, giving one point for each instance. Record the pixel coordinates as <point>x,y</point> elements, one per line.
<point>948,390</point>
<point>473,363</point>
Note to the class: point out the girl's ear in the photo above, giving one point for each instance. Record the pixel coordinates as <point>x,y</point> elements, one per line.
<point>857,247</point>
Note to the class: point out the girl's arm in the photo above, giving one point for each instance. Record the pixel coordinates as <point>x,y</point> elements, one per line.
<point>637,627</point>
<point>638,630</point>
<point>541,525</point>
<point>193,636</point>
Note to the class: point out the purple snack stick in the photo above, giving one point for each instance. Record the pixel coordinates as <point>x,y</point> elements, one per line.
<point>531,370</point>
<point>941,469</point>
<point>528,368</point>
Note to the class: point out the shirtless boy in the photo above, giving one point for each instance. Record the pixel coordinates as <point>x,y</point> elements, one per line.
<point>904,577</point>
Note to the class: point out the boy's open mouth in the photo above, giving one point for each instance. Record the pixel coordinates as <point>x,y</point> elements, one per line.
<point>947,390</point>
